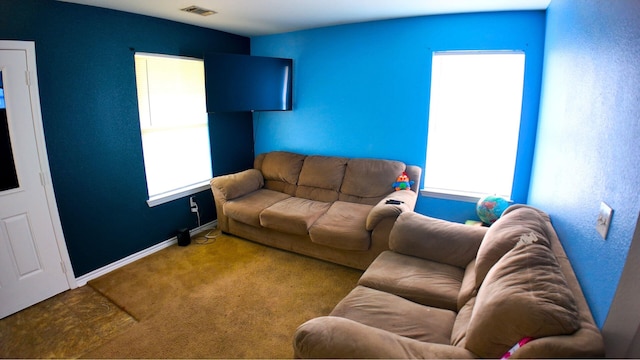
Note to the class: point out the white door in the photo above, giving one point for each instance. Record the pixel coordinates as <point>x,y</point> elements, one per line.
<point>33,257</point>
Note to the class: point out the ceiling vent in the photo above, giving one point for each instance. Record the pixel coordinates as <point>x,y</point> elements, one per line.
<point>198,10</point>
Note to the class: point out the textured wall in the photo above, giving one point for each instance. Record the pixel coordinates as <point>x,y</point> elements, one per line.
<point>362,90</point>
<point>587,149</point>
<point>90,117</point>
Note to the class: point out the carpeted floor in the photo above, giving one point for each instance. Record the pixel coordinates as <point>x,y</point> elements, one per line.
<point>64,326</point>
<point>227,299</point>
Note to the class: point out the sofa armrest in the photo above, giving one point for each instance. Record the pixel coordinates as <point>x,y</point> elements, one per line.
<point>340,338</point>
<point>383,210</point>
<point>236,185</point>
<point>434,239</point>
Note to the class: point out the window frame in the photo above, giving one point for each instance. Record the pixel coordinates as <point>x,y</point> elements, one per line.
<point>186,190</point>
<point>523,147</point>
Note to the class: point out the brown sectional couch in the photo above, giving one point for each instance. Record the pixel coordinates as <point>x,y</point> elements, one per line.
<point>448,290</point>
<point>332,208</point>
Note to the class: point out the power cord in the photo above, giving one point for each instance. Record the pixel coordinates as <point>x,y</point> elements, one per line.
<point>194,208</point>
<point>208,238</point>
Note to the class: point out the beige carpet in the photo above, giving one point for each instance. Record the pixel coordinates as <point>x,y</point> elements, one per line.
<point>64,326</point>
<point>228,299</point>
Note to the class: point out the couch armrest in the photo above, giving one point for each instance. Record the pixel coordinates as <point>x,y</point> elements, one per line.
<point>236,185</point>
<point>340,338</point>
<point>383,210</point>
<point>434,239</point>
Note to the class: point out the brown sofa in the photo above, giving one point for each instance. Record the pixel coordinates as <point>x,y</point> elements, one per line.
<point>448,290</point>
<point>331,208</point>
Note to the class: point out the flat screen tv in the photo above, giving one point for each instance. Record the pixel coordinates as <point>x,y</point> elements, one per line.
<point>247,83</point>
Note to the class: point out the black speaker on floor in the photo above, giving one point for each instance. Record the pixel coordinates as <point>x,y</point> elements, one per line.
<point>184,238</point>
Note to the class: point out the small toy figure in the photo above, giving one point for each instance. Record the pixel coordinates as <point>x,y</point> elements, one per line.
<point>402,182</point>
<point>515,347</point>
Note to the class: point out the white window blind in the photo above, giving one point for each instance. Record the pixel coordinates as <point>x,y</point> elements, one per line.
<point>174,126</point>
<point>474,121</point>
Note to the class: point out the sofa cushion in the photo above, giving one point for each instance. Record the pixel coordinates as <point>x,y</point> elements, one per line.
<point>367,181</point>
<point>503,235</point>
<point>281,170</point>
<point>293,215</point>
<point>247,209</point>
<point>459,332</point>
<point>468,288</point>
<point>321,177</point>
<point>343,227</point>
<point>435,239</point>
<point>525,294</point>
<point>419,280</point>
<point>397,315</point>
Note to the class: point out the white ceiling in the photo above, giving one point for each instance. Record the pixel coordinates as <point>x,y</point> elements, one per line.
<point>264,17</point>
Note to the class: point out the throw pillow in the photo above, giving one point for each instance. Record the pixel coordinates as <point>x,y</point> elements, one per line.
<point>524,295</point>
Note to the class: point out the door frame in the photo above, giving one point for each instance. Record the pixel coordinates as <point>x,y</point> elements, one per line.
<point>34,93</point>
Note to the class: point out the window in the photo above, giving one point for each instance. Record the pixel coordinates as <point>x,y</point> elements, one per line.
<point>174,126</point>
<point>474,121</point>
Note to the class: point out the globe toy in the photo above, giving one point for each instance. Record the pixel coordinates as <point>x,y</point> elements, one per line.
<point>489,208</point>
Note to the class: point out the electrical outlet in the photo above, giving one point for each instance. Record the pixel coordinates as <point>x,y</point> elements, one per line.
<point>193,204</point>
<point>604,220</point>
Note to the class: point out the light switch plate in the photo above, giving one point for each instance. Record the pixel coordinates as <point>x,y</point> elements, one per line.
<point>604,220</point>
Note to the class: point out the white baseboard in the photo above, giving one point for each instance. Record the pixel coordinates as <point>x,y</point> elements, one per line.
<point>82,280</point>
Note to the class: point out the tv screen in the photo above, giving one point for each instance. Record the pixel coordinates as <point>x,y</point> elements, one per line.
<point>247,83</point>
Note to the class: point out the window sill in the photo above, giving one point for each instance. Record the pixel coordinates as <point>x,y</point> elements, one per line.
<point>446,194</point>
<point>177,194</point>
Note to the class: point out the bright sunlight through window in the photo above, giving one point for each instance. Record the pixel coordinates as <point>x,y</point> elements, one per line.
<point>474,120</point>
<point>173,121</point>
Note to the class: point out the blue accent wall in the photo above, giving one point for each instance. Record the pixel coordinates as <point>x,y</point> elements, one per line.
<point>588,141</point>
<point>362,90</point>
<point>90,115</point>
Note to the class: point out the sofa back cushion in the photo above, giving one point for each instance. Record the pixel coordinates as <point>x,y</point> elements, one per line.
<point>434,239</point>
<point>280,170</point>
<point>321,177</point>
<point>524,294</point>
<point>504,234</point>
<point>367,181</point>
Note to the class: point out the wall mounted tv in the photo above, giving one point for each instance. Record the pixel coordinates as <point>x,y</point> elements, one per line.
<point>247,83</point>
